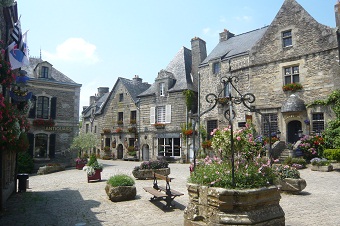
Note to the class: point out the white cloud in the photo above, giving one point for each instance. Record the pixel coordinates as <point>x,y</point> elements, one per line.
<point>244,18</point>
<point>73,50</point>
<point>206,30</point>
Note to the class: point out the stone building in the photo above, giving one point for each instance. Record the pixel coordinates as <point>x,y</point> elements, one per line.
<point>112,116</point>
<point>54,115</point>
<point>294,48</point>
<point>163,107</point>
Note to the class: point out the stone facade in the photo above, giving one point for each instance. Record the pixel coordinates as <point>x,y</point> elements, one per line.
<point>54,115</point>
<point>262,69</point>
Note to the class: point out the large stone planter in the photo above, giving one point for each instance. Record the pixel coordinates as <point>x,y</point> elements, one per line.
<point>120,193</point>
<point>291,185</point>
<point>219,206</point>
<point>148,173</point>
<point>322,168</point>
<point>50,169</point>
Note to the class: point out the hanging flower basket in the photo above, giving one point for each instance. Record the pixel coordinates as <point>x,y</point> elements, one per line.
<point>223,100</point>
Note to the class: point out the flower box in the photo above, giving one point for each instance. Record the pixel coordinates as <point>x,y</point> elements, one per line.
<point>159,125</point>
<point>80,165</point>
<point>148,173</point>
<point>219,206</point>
<point>95,177</point>
<point>119,130</point>
<point>43,122</point>
<point>322,168</point>
<point>292,87</point>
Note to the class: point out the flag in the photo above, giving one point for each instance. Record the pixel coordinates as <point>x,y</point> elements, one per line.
<point>18,57</point>
<point>16,35</point>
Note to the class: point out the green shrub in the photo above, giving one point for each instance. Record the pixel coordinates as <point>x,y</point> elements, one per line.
<point>320,162</point>
<point>332,154</point>
<point>121,180</point>
<point>25,163</point>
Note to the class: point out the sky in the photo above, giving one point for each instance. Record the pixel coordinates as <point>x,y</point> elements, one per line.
<point>95,42</point>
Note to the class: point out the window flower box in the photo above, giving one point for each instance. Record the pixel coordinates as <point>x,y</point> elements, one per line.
<point>159,125</point>
<point>132,121</point>
<point>106,131</point>
<point>43,122</point>
<point>119,130</point>
<point>120,122</point>
<point>132,130</point>
<point>292,87</point>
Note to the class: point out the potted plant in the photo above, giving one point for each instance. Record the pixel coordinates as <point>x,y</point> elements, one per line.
<point>217,196</point>
<point>147,168</point>
<point>93,169</point>
<point>80,162</point>
<point>321,164</point>
<point>120,188</point>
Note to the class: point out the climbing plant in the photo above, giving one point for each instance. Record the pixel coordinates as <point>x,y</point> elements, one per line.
<point>332,132</point>
<point>189,98</point>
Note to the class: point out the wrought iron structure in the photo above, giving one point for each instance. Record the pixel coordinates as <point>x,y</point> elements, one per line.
<point>225,97</point>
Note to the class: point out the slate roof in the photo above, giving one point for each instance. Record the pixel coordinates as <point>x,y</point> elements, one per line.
<point>134,88</point>
<point>56,75</point>
<point>97,105</point>
<point>180,67</point>
<point>236,45</point>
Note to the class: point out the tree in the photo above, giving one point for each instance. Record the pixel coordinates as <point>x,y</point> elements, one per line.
<point>84,142</point>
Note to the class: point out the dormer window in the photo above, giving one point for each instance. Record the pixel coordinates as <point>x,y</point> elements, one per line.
<point>216,67</point>
<point>162,89</point>
<point>287,38</point>
<point>44,72</point>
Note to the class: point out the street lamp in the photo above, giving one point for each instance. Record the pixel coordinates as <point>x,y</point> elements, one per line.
<point>300,133</point>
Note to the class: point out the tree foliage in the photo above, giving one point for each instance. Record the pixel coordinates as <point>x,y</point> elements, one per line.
<point>84,142</point>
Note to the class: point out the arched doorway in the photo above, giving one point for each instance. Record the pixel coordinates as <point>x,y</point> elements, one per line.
<point>120,151</point>
<point>292,131</point>
<point>145,152</point>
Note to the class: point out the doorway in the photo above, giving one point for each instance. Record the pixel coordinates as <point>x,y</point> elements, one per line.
<point>145,152</point>
<point>120,151</point>
<point>293,128</point>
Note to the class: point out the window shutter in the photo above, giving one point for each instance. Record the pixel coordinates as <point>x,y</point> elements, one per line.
<point>30,137</point>
<point>152,115</point>
<point>53,107</point>
<point>168,114</point>
<point>32,110</point>
<point>52,146</point>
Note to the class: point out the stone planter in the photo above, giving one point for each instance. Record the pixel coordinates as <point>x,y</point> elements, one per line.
<point>95,177</point>
<point>219,206</point>
<point>148,173</point>
<point>291,185</point>
<point>322,168</point>
<point>120,193</point>
<point>50,169</point>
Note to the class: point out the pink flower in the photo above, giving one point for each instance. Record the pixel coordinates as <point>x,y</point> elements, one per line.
<point>238,138</point>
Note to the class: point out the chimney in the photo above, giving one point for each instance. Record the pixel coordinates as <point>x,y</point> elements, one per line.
<point>136,80</point>
<point>225,35</point>
<point>337,13</point>
<point>92,99</point>
<point>198,54</point>
<point>102,91</point>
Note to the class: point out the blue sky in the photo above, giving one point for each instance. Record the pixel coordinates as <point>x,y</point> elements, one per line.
<point>95,42</point>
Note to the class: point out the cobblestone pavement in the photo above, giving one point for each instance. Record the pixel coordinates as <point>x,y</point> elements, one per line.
<point>66,199</point>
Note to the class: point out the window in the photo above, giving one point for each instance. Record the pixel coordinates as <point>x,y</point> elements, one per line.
<point>241,124</point>
<point>121,97</point>
<point>272,118</point>
<point>287,38</point>
<point>161,89</point>
<point>161,114</point>
<point>40,147</point>
<point>87,128</point>
<point>44,72</point>
<point>120,116</point>
<point>169,147</point>
<point>133,117</point>
<point>43,107</point>
<point>216,67</point>
<point>291,75</point>
<point>211,125</point>
<point>226,89</point>
<point>107,141</point>
<point>318,123</point>
<point>95,129</point>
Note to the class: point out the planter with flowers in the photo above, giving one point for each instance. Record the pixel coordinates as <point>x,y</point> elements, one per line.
<point>147,168</point>
<point>106,130</point>
<point>311,147</point>
<point>321,164</point>
<point>206,144</point>
<point>250,198</point>
<point>80,162</point>
<point>159,125</point>
<point>292,87</point>
<point>121,187</point>
<point>288,179</point>
<point>93,169</point>
<point>43,122</point>
<point>119,130</point>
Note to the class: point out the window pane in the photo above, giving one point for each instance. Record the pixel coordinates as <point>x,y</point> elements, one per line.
<point>288,71</point>
<point>121,97</point>
<point>43,107</point>
<point>161,114</point>
<point>287,80</point>
<point>287,34</point>
<point>296,79</point>
<point>287,42</point>
<point>216,68</point>
<point>272,118</point>
<point>211,125</point>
